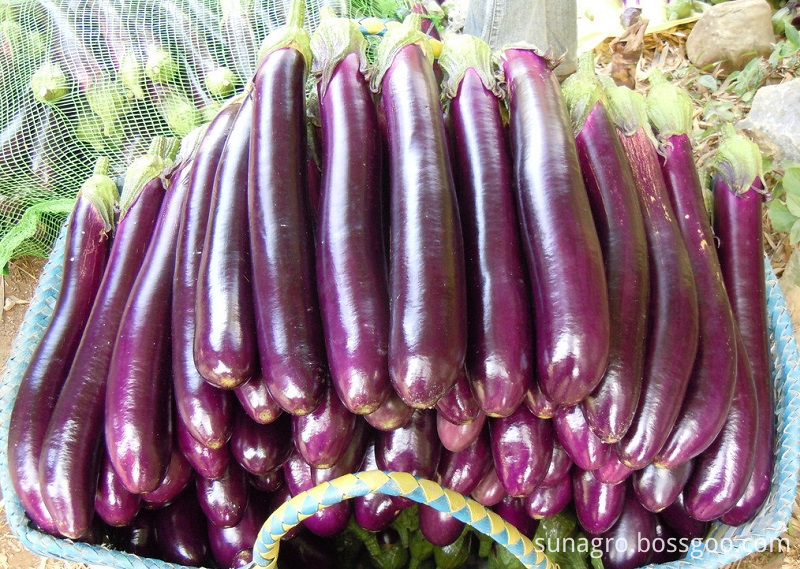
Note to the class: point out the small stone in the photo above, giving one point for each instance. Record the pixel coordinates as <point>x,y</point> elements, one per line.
<point>774,120</point>
<point>731,33</point>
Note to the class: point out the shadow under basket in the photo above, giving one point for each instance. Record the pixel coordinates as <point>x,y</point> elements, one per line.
<point>732,543</point>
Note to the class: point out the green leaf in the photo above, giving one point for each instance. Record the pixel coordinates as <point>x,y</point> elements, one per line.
<point>793,36</point>
<point>782,219</point>
<point>708,82</point>
<point>794,234</point>
<point>791,180</point>
<point>793,202</point>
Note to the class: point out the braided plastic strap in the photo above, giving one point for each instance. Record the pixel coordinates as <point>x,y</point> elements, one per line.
<point>306,504</point>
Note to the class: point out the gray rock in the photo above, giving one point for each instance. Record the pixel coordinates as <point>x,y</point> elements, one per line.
<point>732,33</point>
<point>774,120</point>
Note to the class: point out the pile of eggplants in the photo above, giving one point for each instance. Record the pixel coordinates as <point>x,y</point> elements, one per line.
<point>510,287</point>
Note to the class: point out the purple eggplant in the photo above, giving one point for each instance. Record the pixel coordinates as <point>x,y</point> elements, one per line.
<point>68,466</point>
<point>737,191</point>
<point>560,465</point>
<point>584,447</point>
<point>560,239</point>
<point>393,414</point>
<point>710,392</point>
<point>621,545</point>
<point>612,195</point>
<point>522,446</point>
<point>514,512</point>
<point>614,471</point>
<point>238,35</point>
<point>538,403</point>
<point>456,438</point>
<point>439,528</point>
<point>138,421</point>
<point>374,512</point>
<point>113,503</point>
<point>351,265</point>
<point>322,436</point>
<point>458,405</point>
<point>656,487</point>
<point>206,412</point>
<point>352,457</point>
<point>290,337</point>
<point>139,537</point>
<point>224,500</point>
<point>667,545</point>
<point>207,462</point>
<point>678,518</point>
<point>255,399</point>
<point>489,490</point>
<point>427,290</point>
<point>300,477</point>
<point>597,505</point>
<point>224,337</point>
<point>261,448</point>
<point>499,341</point>
<point>181,532</point>
<point>268,482</point>
<point>231,543</point>
<point>85,255</point>
<point>673,328</point>
<point>548,501</point>
<point>177,478</point>
<point>722,473</point>
<point>414,448</point>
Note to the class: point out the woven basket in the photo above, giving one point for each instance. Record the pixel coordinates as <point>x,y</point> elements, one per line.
<point>741,541</point>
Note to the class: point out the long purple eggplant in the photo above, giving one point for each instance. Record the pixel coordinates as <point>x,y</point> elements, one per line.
<point>513,511</point>
<point>68,466</point>
<point>499,341</point>
<point>374,512</point>
<point>224,337</point>
<point>538,403</point>
<point>224,500</point>
<point>584,447</point>
<point>177,478</point>
<point>206,411</point>
<point>393,414</point>
<point>427,290</point>
<point>351,265</point>
<point>597,505</point>
<point>548,501</point>
<point>622,544</point>
<point>722,473</point>
<point>255,399</point>
<point>261,448</point>
<point>85,255</point>
<point>656,487</point>
<point>181,532</point>
<point>138,421</point>
<point>299,477</point>
<point>673,328</point>
<point>677,517</point>
<point>456,438</point>
<point>207,462</point>
<point>139,537</point>
<point>113,503</point>
<point>737,226</point>
<point>612,195</point>
<point>522,446</point>
<point>230,543</point>
<point>322,436</point>
<point>489,490</point>
<point>269,482</point>
<point>713,380</point>
<point>560,465</point>
<point>352,457</point>
<point>290,338</point>
<point>558,233</point>
<point>459,406</point>
<point>614,471</point>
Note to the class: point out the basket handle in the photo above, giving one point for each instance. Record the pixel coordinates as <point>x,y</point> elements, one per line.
<point>306,504</point>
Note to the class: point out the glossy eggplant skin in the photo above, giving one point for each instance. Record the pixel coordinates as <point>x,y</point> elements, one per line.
<point>489,490</point>
<point>113,503</point>
<point>656,487</point>
<point>352,457</point>
<point>255,399</point>
<point>85,256</point>
<point>459,406</point>
<point>68,463</point>
<point>548,501</point>
<point>228,543</point>
<point>677,517</point>
<point>299,477</point>
<point>597,505</point>
<point>322,436</point>
<point>558,234</point>
<point>351,262</point>
<point>138,537</point>
<point>713,380</point>
<point>613,471</point>
<point>560,465</point>
<point>522,446</point>
<point>499,339</point>
<point>414,448</point>
<point>269,482</point>
<point>181,532</point>
<point>224,337</point>
<point>374,512</point>
<point>261,448</point>
<point>290,338</point>
<point>513,511</point>
<point>673,317</point>
<point>206,411</point>
<point>393,414</point>
<point>636,525</point>
<point>584,447</point>
<point>737,226</point>
<point>138,421</point>
<point>723,471</point>
<point>207,462</point>
<point>439,528</point>
<point>612,195</point>
<point>456,438</point>
<point>224,500</point>
<point>179,474</point>
<point>538,403</point>
<point>427,289</point>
